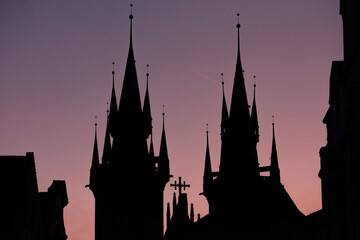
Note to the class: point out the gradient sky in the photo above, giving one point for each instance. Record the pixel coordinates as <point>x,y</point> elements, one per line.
<point>55,76</point>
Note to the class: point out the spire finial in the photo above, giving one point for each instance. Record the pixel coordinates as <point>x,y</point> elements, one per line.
<point>254,81</point>
<point>113,73</point>
<point>147,76</point>
<point>222,83</point>
<point>273,121</point>
<point>238,24</point>
<point>131,18</point>
<point>163,115</point>
<point>95,122</point>
<point>207,129</point>
<point>107,109</point>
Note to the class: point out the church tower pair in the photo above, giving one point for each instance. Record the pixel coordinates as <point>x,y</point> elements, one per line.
<point>128,163</point>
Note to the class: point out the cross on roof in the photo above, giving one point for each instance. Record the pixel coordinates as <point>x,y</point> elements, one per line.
<point>180,185</point>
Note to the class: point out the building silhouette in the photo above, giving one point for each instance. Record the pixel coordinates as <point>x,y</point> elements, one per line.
<point>127,163</point>
<point>26,213</point>
<point>340,158</point>
<point>246,201</point>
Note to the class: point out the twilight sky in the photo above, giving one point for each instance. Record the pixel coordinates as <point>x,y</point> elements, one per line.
<point>55,76</point>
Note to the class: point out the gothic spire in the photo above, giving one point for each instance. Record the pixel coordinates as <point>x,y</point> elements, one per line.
<point>95,158</point>
<point>107,143</point>
<point>207,169</point>
<point>254,117</point>
<point>239,112</point>
<point>274,165</point>
<point>163,147</point>
<point>163,164</point>
<point>146,109</point>
<point>238,154</point>
<point>113,105</point>
<point>224,126</point>
<point>130,104</point>
<point>224,111</point>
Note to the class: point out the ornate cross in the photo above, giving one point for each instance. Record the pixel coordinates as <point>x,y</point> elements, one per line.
<point>180,185</point>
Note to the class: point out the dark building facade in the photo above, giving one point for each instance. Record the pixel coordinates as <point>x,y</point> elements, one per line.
<point>340,158</point>
<point>127,163</point>
<point>26,213</point>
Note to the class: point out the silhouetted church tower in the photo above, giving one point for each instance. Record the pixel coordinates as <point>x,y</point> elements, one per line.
<point>242,201</point>
<point>129,182</point>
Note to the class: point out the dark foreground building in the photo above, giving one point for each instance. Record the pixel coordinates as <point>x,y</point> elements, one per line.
<point>340,158</point>
<point>26,213</point>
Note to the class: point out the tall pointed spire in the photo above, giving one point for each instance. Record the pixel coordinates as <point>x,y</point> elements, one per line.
<point>274,164</point>
<point>163,146</point>
<point>254,117</point>
<point>163,165</point>
<point>113,105</point>
<point>107,143</point>
<point>207,178</point>
<point>130,105</point>
<point>239,157</point>
<point>146,109</point>
<point>239,111</point>
<point>95,158</point>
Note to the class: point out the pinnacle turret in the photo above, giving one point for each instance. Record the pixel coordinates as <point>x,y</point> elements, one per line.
<point>113,106</point>
<point>107,143</point>
<point>224,111</point>
<point>95,158</point>
<point>146,109</point>
<point>254,117</point>
<point>274,164</point>
<point>207,178</point>
<point>163,159</point>
<point>163,146</point>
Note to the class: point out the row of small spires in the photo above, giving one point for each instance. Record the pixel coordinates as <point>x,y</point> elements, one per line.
<point>147,76</point>
<point>168,214</point>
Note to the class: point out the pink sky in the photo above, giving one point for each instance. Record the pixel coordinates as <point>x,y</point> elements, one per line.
<point>55,75</point>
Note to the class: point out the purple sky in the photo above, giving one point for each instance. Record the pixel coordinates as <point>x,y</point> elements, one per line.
<point>55,76</point>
